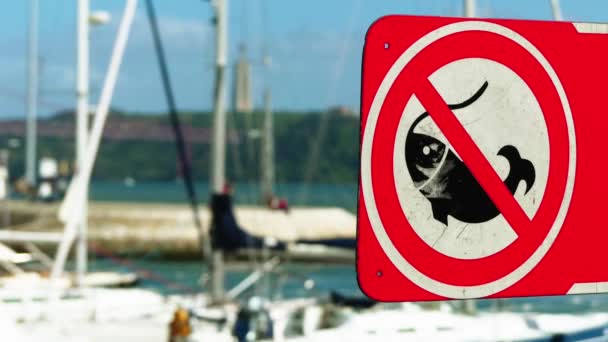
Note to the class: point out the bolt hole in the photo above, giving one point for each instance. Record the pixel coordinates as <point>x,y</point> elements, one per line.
<point>386,46</point>
<point>379,273</point>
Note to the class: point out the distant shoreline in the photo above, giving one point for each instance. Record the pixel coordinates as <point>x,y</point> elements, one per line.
<point>142,146</point>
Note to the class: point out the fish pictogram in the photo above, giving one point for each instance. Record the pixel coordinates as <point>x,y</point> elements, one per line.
<point>446,181</point>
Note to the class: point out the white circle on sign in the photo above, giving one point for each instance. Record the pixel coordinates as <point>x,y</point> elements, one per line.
<point>507,113</point>
<point>415,275</point>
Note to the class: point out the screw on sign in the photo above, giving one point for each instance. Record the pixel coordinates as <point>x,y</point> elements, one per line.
<point>482,158</point>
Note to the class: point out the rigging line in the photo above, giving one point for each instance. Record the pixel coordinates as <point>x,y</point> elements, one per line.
<point>233,149</point>
<point>175,124</point>
<point>267,63</point>
<point>266,71</point>
<point>231,126</point>
<point>245,122</point>
<point>242,123</point>
<point>140,271</point>
<point>263,29</point>
<point>270,68</point>
<point>315,153</point>
<point>282,73</point>
<point>245,26</point>
<point>237,165</point>
<point>248,123</point>
<point>237,158</point>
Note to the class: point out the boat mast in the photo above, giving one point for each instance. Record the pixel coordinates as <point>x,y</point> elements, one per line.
<point>70,209</point>
<point>32,96</point>
<point>469,8</point>
<point>557,11</point>
<point>218,144</point>
<point>267,153</point>
<point>82,113</point>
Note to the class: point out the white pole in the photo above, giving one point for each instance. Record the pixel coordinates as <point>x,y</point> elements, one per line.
<point>469,9</point>
<point>218,149</point>
<point>32,95</point>
<point>82,127</point>
<point>267,171</point>
<point>557,11</point>
<point>218,165</point>
<point>267,148</point>
<point>72,204</point>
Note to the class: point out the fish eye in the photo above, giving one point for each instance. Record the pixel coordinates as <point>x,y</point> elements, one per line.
<point>426,150</point>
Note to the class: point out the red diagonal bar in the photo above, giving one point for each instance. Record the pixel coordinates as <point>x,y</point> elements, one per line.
<point>472,156</point>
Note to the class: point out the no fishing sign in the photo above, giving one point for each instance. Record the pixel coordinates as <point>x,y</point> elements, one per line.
<point>483,152</point>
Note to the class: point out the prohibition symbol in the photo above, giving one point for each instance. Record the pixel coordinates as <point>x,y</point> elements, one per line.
<point>468,185</point>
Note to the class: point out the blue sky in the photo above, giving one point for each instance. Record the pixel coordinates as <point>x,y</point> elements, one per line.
<point>315,47</point>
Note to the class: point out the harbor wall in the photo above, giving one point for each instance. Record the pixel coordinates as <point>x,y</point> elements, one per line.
<point>168,230</point>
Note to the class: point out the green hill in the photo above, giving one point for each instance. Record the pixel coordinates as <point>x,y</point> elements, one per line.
<point>148,159</point>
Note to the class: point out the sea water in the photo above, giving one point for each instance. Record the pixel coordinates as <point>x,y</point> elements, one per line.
<point>292,279</point>
<point>336,195</point>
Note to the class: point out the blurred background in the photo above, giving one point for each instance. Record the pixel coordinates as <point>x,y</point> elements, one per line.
<point>189,171</point>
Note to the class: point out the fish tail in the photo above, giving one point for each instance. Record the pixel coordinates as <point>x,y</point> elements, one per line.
<point>520,169</point>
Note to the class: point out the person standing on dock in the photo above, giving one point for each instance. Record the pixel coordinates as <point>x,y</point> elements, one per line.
<point>277,203</point>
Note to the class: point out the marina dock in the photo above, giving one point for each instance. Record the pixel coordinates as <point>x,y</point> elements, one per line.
<point>167,230</point>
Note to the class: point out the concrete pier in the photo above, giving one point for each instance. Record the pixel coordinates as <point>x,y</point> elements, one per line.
<point>167,230</point>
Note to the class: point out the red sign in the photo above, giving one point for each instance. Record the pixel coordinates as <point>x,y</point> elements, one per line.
<point>482,157</point>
